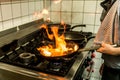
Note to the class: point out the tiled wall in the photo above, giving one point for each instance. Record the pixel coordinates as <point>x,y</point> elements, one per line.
<point>16,12</point>
<point>78,12</point>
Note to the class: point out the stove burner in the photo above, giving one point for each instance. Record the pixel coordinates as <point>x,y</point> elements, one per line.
<point>55,66</point>
<point>26,58</point>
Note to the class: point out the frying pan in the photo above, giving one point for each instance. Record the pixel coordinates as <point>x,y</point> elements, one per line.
<point>77,37</point>
<point>72,54</point>
<point>69,34</point>
<point>61,27</point>
<point>61,57</point>
<point>73,36</point>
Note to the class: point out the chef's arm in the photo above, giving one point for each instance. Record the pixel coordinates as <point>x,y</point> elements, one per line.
<point>116,51</point>
<point>109,49</point>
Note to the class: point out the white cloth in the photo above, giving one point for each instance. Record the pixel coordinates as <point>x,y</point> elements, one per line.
<point>108,31</point>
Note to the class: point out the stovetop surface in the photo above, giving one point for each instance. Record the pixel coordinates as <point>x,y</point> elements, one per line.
<point>11,55</point>
<point>38,63</point>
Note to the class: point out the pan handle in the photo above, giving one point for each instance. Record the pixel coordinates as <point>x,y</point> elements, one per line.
<point>81,25</point>
<point>95,47</point>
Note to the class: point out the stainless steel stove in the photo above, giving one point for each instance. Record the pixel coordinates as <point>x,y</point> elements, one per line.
<point>20,59</point>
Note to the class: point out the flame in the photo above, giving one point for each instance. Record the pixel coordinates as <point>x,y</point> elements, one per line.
<point>56,1</point>
<point>60,47</point>
<point>50,36</point>
<point>38,15</point>
<point>45,12</point>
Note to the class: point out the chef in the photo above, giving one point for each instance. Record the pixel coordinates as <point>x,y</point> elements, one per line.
<point>110,69</point>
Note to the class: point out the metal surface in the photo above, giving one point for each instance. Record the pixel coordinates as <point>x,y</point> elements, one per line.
<point>10,72</point>
<point>68,54</point>
<point>8,38</point>
<point>74,36</point>
<point>92,47</point>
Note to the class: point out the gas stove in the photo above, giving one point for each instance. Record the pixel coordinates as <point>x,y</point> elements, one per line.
<point>21,56</point>
<point>31,59</point>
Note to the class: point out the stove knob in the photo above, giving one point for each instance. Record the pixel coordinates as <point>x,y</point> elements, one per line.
<point>89,69</point>
<point>93,55</point>
<point>89,59</point>
<point>86,63</point>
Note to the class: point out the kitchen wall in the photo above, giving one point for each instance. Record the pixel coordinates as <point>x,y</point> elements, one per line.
<point>78,12</point>
<point>16,12</point>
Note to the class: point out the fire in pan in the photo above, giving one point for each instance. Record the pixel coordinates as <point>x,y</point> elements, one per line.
<point>63,46</point>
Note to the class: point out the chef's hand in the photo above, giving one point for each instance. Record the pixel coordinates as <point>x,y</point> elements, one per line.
<point>106,49</point>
